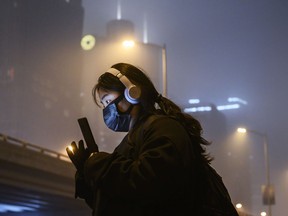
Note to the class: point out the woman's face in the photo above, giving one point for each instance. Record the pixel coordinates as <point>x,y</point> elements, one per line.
<point>106,97</point>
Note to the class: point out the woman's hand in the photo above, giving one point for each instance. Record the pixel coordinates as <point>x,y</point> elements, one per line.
<point>78,154</point>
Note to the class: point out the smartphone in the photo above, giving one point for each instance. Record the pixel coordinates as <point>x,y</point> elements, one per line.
<point>88,135</point>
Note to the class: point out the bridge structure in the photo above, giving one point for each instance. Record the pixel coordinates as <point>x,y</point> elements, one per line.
<point>36,181</point>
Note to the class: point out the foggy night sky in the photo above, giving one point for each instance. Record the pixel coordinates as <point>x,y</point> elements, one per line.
<point>218,49</point>
<point>215,49</point>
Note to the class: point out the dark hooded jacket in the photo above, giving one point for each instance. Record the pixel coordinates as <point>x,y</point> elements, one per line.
<point>154,171</point>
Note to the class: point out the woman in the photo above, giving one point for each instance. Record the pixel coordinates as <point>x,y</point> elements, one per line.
<point>161,166</point>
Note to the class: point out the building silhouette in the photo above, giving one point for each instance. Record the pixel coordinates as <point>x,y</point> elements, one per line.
<point>40,66</point>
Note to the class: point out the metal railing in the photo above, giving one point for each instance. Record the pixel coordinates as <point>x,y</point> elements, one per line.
<point>30,146</point>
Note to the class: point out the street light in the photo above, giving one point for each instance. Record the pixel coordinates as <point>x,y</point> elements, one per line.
<point>128,43</point>
<point>265,143</point>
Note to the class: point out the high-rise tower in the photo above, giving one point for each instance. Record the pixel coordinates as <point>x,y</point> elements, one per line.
<point>40,66</point>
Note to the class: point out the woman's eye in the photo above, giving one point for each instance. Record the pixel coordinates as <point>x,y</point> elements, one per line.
<point>106,102</point>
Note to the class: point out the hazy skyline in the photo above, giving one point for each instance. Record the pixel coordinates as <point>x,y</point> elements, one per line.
<point>215,49</point>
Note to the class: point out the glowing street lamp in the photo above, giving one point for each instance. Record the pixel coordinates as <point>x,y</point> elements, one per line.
<point>128,43</point>
<point>238,205</point>
<point>241,130</point>
<point>265,143</point>
<point>263,214</point>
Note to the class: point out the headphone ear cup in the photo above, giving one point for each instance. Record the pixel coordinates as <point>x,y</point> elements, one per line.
<point>132,94</point>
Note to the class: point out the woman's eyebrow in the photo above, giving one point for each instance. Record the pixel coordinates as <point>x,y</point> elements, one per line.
<point>103,97</point>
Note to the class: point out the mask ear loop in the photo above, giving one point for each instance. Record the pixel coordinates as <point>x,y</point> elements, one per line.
<point>116,102</point>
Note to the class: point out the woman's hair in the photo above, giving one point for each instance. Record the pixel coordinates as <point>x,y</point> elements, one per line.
<point>150,98</point>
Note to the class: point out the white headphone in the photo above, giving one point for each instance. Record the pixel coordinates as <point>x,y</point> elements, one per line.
<point>132,92</point>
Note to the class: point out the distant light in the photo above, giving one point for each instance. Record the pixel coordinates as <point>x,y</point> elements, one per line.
<point>88,42</point>
<point>263,213</point>
<point>14,208</point>
<point>128,43</point>
<point>145,30</point>
<point>241,130</point>
<point>194,101</point>
<point>119,10</point>
<point>236,99</point>
<point>228,107</point>
<point>238,205</point>
<point>198,109</point>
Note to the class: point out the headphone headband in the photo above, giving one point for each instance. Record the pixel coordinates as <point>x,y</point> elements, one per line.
<point>115,72</point>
